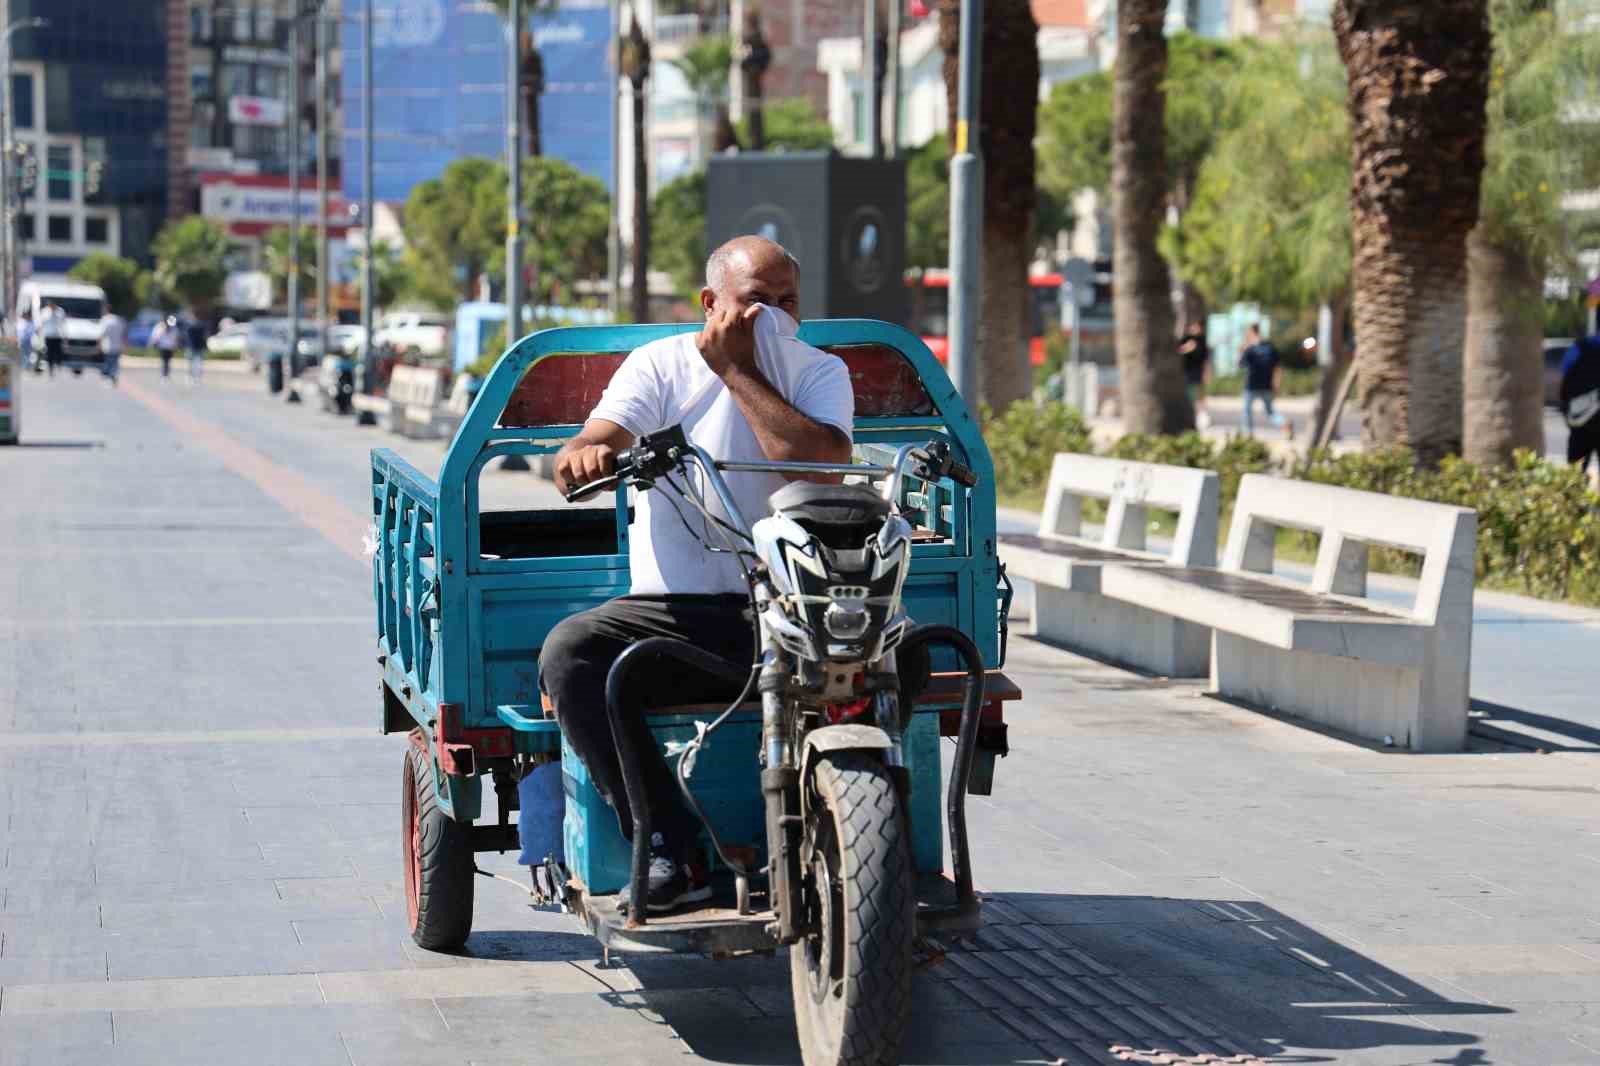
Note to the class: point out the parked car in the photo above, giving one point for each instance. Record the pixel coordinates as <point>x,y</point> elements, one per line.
<point>265,339</point>
<point>346,340</point>
<point>229,341</point>
<point>143,325</point>
<point>1555,350</point>
<point>427,332</point>
<point>310,346</point>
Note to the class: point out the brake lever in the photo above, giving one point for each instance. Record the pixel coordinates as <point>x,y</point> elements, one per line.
<point>583,492</point>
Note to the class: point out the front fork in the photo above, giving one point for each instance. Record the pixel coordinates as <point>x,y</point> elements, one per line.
<point>781,785</point>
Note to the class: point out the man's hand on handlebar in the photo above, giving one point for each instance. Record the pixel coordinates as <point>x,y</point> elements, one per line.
<point>581,465</point>
<point>591,455</point>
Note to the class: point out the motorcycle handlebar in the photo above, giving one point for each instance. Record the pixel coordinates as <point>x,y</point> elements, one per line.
<point>625,461</point>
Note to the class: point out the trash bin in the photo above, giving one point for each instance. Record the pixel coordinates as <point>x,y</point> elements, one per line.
<point>10,383</point>
<point>275,373</point>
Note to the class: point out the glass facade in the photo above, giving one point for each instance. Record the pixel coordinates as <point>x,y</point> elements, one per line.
<point>95,93</point>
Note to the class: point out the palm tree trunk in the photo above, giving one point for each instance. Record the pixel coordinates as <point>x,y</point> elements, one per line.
<point>531,88</point>
<point>1418,81</point>
<point>1503,372</point>
<point>1007,122</point>
<point>1150,372</point>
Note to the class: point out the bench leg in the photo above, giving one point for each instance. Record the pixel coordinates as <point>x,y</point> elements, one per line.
<point>1121,632</point>
<point>1362,699</point>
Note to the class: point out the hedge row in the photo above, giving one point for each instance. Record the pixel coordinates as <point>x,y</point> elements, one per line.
<point>1538,521</point>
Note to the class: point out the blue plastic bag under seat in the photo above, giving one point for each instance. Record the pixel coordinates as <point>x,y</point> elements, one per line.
<point>543,802</point>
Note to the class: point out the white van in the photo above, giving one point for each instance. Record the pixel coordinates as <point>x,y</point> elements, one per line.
<point>84,306</point>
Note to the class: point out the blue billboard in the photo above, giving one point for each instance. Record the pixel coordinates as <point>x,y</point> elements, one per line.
<point>439,89</point>
<point>575,109</point>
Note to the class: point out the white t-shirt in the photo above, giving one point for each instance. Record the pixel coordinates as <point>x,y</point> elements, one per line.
<point>112,331</point>
<point>666,383</point>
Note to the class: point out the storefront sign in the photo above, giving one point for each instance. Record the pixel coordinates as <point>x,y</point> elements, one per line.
<point>249,205</point>
<point>256,111</point>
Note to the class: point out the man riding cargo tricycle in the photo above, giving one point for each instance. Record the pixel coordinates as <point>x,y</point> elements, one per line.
<point>714,706</point>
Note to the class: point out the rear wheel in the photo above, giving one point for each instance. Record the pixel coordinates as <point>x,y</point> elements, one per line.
<point>852,976</point>
<point>438,861</point>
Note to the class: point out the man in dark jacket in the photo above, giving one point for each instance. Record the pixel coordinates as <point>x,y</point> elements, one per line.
<point>1580,399</point>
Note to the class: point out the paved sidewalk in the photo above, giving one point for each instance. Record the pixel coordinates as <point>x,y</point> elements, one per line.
<point>200,826</point>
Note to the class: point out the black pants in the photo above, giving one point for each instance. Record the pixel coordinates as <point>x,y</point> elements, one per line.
<point>52,353</point>
<point>576,658</point>
<point>1582,442</point>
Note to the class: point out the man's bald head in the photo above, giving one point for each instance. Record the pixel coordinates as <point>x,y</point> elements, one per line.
<point>749,270</point>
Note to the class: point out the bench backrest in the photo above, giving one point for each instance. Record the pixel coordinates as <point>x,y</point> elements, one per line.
<point>1349,522</point>
<point>1129,488</point>
<point>415,385</point>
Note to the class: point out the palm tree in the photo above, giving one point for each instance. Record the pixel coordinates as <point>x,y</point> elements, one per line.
<point>530,68</point>
<point>706,65</point>
<point>1535,157</point>
<point>635,64</point>
<point>754,59</point>
<point>1151,376</point>
<point>1008,118</point>
<point>1418,76</point>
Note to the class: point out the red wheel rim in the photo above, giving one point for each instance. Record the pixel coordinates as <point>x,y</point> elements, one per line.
<point>411,844</point>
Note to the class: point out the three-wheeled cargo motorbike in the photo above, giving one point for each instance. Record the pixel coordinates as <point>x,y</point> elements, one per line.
<point>819,785</point>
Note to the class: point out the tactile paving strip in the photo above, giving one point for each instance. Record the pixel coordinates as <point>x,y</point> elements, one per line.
<point>1073,1007</point>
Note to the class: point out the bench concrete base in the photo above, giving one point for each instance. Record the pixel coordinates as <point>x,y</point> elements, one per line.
<point>1121,632</point>
<point>1374,701</point>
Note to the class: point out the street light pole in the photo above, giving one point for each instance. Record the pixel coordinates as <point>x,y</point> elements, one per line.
<point>614,231</point>
<point>367,292</point>
<point>966,210</point>
<point>8,263</point>
<point>514,177</point>
<point>322,180</point>
<point>294,194</point>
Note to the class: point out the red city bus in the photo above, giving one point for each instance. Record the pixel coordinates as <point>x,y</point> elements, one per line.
<point>930,312</point>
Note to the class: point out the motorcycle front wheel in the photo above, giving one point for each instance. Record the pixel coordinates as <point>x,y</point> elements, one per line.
<point>852,975</point>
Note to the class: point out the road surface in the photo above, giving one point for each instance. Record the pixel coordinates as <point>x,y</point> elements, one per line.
<point>201,826</point>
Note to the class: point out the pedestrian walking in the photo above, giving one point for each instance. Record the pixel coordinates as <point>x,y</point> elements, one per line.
<point>1580,400</point>
<point>51,323</point>
<point>25,335</point>
<point>194,335</point>
<point>1263,372</point>
<point>113,334</point>
<point>166,338</point>
<point>1196,358</point>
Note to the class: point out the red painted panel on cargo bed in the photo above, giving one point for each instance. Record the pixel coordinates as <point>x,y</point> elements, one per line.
<point>561,390</point>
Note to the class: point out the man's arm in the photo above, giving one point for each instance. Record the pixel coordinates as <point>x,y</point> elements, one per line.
<point>591,455</point>
<point>786,435</point>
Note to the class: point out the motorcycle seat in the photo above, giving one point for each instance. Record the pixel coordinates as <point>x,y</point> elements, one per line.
<point>829,505</point>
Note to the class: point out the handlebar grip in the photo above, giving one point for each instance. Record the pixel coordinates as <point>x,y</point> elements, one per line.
<point>963,475</point>
<point>624,463</point>
<point>583,492</point>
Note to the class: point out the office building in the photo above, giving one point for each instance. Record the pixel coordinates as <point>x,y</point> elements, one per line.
<point>89,114</point>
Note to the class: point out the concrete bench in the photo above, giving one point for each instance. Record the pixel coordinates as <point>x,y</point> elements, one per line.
<point>412,406</point>
<point>1327,653</point>
<point>1065,566</point>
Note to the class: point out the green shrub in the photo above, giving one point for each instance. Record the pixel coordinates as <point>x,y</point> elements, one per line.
<point>1024,441</point>
<point>1297,381</point>
<point>1538,521</point>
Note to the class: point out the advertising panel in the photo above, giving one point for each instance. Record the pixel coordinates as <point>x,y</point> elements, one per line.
<point>438,91</point>
<point>257,111</point>
<point>439,77</point>
<point>249,205</point>
<point>575,109</point>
